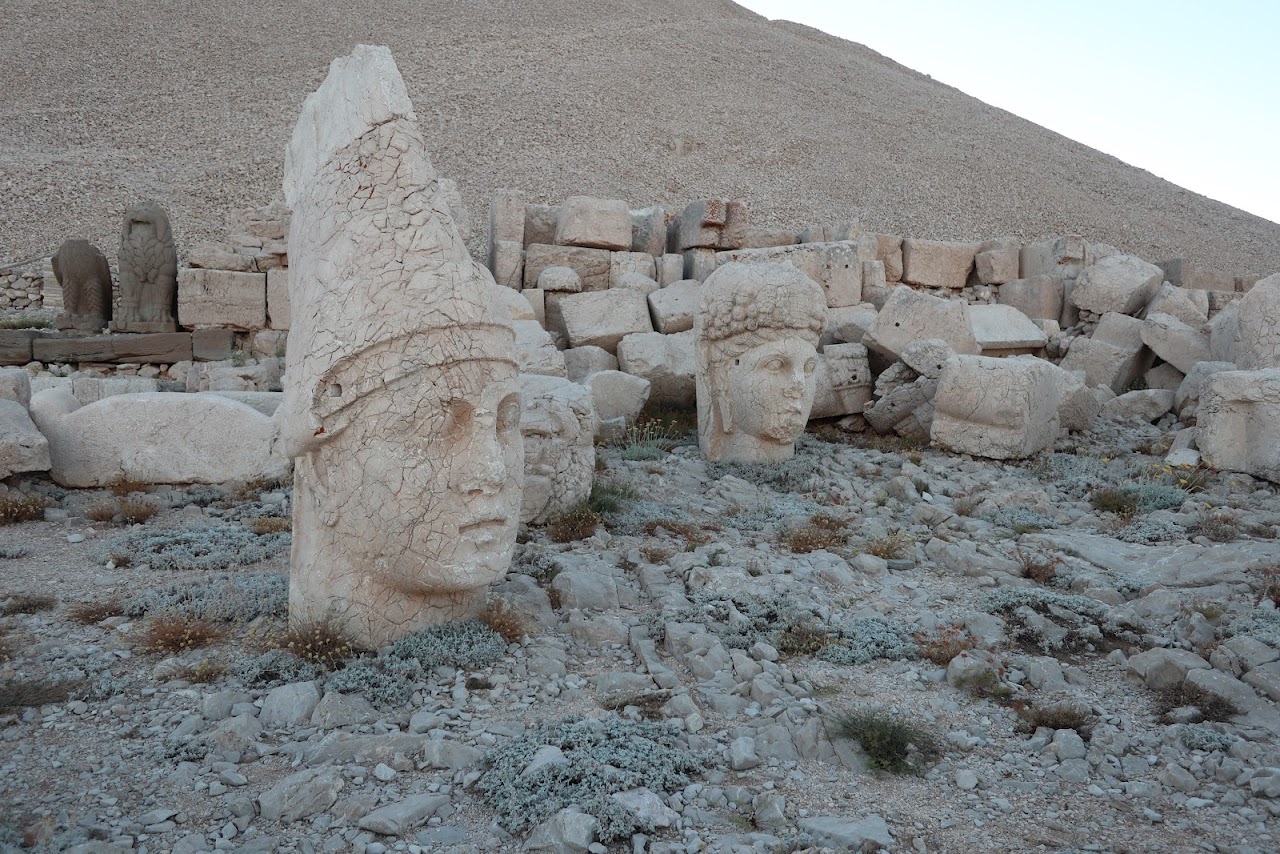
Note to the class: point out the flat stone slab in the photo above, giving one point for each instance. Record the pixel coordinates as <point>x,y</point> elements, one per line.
<point>157,348</point>
<point>1188,565</point>
<point>15,346</point>
<point>1003,327</point>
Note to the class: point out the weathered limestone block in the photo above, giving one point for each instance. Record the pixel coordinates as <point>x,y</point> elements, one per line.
<point>537,300</point>
<point>89,389</point>
<point>666,361</point>
<point>506,219</point>
<point>596,223</point>
<point>213,345</point>
<point>649,231</point>
<point>997,261</point>
<point>927,357</point>
<point>1061,257</point>
<point>763,238</point>
<point>1146,404</point>
<point>557,423</point>
<point>1164,376</point>
<point>1186,398</point>
<point>1175,342</point>
<point>622,263</point>
<point>911,315</point>
<point>1239,420</point>
<point>582,362</point>
<point>85,278</point>
<point>617,395</point>
<point>1119,283</point>
<point>1224,332</point>
<point>875,288</point>
<point>155,438</point>
<point>517,306</point>
<point>670,269</point>
<point>757,332</point>
<point>221,298</point>
<point>536,353</point>
<point>219,256</point>
<point>937,263</point>
<point>148,272</point>
<point>889,251</point>
<point>1187,274</point>
<point>153,348</point>
<point>602,318</point>
<point>15,346</point>
<point>709,224</point>
<point>900,404</point>
<point>540,224</point>
<point>591,265</point>
<point>561,279</point>
<point>1115,356</point>
<point>837,267</point>
<point>848,324</point>
<point>1002,330</point>
<point>699,263</point>
<point>637,282</point>
<point>673,307</point>
<point>278,298</point>
<point>15,385</point>
<point>842,381</point>
<point>998,408</point>
<point>506,262</point>
<point>1258,339</point>
<point>22,446</point>
<point>1038,297</point>
<point>1077,407</point>
<point>1191,307</point>
<point>402,405</point>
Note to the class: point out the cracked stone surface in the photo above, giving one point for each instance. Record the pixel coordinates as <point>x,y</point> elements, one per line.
<point>998,408</point>
<point>757,331</point>
<point>402,406</point>
<point>1257,343</point>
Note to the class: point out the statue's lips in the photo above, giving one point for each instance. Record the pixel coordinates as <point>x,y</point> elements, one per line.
<point>486,532</point>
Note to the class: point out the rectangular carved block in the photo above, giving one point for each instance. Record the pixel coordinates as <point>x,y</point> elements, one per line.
<point>211,345</point>
<point>154,348</point>
<point>15,346</point>
<point>278,298</point>
<point>222,298</point>
<point>591,265</point>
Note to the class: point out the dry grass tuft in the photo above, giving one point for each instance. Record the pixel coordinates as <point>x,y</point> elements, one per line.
<point>509,625</point>
<point>821,532</point>
<point>19,693</point>
<point>26,603</point>
<point>1056,716</point>
<point>692,534</point>
<point>1039,565</point>
<point>577,523</point>
<point>325,642</point>
<point>27,508</point>
<point>944,644</point>
<point>205,672</point>
<point>92,613</point>
<point>102,511</point>
<point>264,525</point>
<point>179,634</point>
<point>1210,706</point>
<point>891,743</point>
<point>892,546</point>
<point>135,511</point>
<point>656,554</point>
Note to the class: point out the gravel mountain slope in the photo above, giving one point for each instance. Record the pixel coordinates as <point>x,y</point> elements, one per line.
<point>659,101</point>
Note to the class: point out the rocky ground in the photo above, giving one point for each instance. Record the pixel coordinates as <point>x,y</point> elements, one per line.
<point>1074,654</point>
<point>658,102</point>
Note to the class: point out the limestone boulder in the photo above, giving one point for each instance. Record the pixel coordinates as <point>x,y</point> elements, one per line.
<point>156,438</point>
<point>927,357</point>
<point>1239,420</point>
<point>670,269</point>
<point>1189,306</point>
<point>535,351</point>
<point>221,298</point>
<point>516,305</point>
<point>1038,297</point>
<point>622,263</point>
<point>594,223</point>
<point>848,324</point>
<point>591,265</point>
<point>1077,406</point>
<point>666,361</point>
<point>603,318</point>
<point>15,385</point>
<point>617,395</point>
<point>557,424</point>
<point>836,266</point>
<point>937,263</point>
<point>278,298</point>
<point>582,362</point>
<point>1258,339</point>
<point>710,224</point>
<point>638,282</point>
<point>649,231</point>
<point>1174,341</point>
<point>22,446</point>
<point>1002,330</point>
<point>842,381</point>
<point>998,408</point>
<point>1119,283</point>
<point>910,315</point>
<point>1144,405</point>
<point>997,261</point>
<point>1061,257</point>
<point>564,279</point>
<point>1224,331</point>
<point>889,253</point>
<point>673,307</point>
<point>1114,357</point>
<point>1186,398</point>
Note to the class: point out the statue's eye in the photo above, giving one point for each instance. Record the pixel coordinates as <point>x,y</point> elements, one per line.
<point>774,364</point>
<point>509,413</point>
<point>457,418</point>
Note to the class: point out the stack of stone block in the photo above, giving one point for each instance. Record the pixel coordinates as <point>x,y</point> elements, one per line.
<point>241,284</point>
<point>22,289</point>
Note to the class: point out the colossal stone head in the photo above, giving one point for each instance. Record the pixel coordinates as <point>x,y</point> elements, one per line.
<point>558,425</point>
<point>401,400</point>
<point>757,329</point>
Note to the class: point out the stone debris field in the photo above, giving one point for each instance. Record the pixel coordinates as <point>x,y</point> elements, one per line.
<point>647,530</point>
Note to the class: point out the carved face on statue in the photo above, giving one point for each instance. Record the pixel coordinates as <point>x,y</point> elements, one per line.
<point>758,328</point>
<point>771,389</point>
<point>442,480</point>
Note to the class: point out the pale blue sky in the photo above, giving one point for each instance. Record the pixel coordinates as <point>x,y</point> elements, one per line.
<point>1187,90</point>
